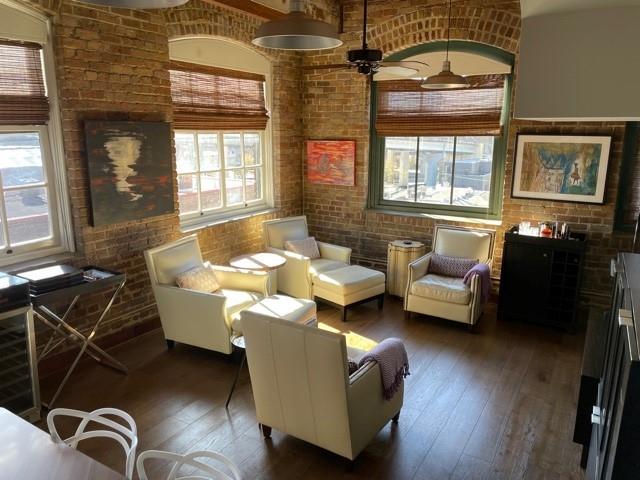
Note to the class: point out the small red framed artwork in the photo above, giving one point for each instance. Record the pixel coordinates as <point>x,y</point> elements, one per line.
<point>331,162</point>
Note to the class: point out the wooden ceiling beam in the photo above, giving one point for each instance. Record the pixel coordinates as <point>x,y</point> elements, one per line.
<point>252,8</point>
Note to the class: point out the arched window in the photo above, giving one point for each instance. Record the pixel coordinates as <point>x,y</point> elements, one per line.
<point>442,152</point>
<point>34,208</point>
<point>220,93</point>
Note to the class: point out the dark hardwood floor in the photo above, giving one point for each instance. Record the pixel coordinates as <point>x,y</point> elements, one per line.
<point>496,404</point>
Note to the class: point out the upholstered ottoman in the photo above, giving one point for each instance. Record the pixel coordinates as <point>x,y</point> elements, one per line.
<point>349,286</point>
<point>280,306</point>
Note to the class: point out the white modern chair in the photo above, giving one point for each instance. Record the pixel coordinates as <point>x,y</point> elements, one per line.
<point>125,434</point>
<point>301,386</point>
<point>190,460</point>
<point>295,278</point>
<point>449,297</point>
<point>196,318</point>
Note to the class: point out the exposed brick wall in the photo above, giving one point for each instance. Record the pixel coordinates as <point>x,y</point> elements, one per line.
<point>336,106</point>
<point>113,64</point>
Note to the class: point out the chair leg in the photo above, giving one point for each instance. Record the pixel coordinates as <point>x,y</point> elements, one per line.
<point>170,344</point>
<point>343,313</point>
<point>380,302</point>
<point>396,418</point>
<point>407,315</point>
<point>265,429</point>
<point>471,328</point>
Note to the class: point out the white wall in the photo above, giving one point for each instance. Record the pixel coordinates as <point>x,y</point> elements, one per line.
<point>17,22</point>
<point>580,66</point>
<point>219,53</point>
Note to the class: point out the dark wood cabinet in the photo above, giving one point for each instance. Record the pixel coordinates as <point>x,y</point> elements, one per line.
<point>590,374</point>
<point>614,450</point>
<point>540,279</point>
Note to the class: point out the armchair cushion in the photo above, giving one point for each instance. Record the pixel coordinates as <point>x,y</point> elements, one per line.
<point>451,266</point>
<point>307,247</point>
<point>236,301</point>
<point>201,279</point>
<point>319,265</point>
<point>445,289</point>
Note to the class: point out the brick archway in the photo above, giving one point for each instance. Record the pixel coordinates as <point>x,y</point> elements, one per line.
<point>497,28</point>
<point>198,18</point>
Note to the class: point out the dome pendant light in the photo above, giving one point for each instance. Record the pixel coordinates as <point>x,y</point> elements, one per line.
<point>446,79</point>
<point>137,3</point>
<point>297,31</point>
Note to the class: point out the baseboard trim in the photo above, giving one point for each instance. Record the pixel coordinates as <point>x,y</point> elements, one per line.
<point>60,361</point>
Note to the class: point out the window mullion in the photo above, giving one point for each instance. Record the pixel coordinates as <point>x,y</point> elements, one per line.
<point>243,170</point>
<point>453,168</point>
<point>3,217</point>
<point>198,186</point>
<point>415,180</point>
<point>223,170</point>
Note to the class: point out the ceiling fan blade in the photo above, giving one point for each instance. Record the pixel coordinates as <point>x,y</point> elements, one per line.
<point>405,63</point>
<point>397,70</point>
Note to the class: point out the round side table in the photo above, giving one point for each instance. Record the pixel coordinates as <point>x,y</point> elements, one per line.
<point>400,254</point>
<point>262,262</point>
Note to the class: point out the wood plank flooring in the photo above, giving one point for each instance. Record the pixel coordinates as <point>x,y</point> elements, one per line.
<point>496,404</point>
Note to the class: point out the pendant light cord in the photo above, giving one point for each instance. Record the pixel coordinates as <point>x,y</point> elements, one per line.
<point>364,26</point>
<point>448,29</point>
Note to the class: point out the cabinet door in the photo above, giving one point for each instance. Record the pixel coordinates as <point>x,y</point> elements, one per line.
<point>525,285</point>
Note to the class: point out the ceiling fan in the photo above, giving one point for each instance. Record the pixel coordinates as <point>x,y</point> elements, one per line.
<point>368,61</point>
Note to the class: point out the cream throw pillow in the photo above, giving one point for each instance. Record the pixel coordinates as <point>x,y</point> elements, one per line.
<point>202,279</point>
<point>307,247</point>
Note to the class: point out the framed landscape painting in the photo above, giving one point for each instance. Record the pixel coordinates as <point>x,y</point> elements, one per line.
<point>331,162</point>
<point>563,168</point>
<point>130,174</point>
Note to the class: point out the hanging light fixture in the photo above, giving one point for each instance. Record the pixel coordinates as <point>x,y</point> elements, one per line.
<point>446,79</point>
<point>297,31</point>
<point>136,3</point>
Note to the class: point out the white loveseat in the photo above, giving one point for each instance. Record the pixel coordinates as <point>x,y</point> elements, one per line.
<point>195,318</point>
<point>301,386</point>
<point>449,297</point>
<point>295,278</point>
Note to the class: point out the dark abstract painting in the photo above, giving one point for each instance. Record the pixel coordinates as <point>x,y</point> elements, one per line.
<point>129,170</point>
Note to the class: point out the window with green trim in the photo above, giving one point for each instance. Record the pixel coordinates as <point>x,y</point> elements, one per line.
<point>453,171</point>
<point>442,152</point>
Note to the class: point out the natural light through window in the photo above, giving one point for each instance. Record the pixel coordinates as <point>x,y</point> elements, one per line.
<point>219,171</point>
<point>26,214</point>
<point>439,170</point>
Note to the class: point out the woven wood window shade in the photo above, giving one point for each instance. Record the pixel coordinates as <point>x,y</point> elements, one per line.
<point>208,98</point>
<point>406,109</point>
<point>23,95</point>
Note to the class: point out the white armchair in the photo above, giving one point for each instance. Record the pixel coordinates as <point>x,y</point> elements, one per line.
<point>195,318</point>
<point>301,386</point>
<point>449,297</point>
<point>295,278</point>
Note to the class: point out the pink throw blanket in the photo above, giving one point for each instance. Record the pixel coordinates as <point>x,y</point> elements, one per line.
<point>483,271</point>
<point>391,355</point>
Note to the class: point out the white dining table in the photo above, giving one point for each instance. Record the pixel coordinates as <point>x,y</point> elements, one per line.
<point>28,453</point>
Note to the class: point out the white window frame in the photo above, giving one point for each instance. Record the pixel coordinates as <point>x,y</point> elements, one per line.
<point>53,155</point>
<point>203,218</point>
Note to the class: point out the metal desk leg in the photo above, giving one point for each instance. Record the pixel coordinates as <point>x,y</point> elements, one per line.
<point>235,380</point>
<point>56,330</point>
<point>71,333</point>
<point>87,342</point>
